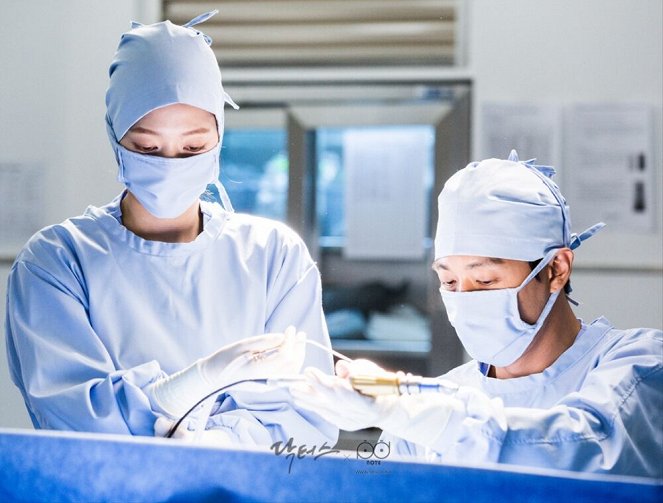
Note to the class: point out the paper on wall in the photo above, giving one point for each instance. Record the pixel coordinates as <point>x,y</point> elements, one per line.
<point>21,205</point>
<point>609,173</point>
<point>532,129</point>
<point>386,197</point>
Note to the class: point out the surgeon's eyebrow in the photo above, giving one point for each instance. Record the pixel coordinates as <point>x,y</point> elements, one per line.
<point>200,130</point>
<point>472,265</point>
<point>144,130</point>
<point>486,261</point>
<point>141,129</point>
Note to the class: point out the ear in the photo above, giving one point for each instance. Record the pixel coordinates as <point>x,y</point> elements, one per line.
<point>560,269</point>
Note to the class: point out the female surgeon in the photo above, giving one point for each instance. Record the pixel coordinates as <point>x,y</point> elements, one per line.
<point>133,311</point>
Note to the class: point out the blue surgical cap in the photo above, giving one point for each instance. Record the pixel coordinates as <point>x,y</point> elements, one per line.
<point>506,209</point>
<point>161,64</point>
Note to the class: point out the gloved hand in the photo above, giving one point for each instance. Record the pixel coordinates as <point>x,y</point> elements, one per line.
<point>256,357</point>
<point>347,369</point>
<point>418,418</point>
<point>334,399</point>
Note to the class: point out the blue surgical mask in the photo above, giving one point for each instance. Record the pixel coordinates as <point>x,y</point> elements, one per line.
<point>164,186</point>
<point>488,322</point>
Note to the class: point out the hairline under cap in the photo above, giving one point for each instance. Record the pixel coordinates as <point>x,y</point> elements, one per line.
<point>216,119</point>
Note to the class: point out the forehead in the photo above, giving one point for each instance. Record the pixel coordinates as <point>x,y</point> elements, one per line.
<point>458,263</point>
<point>173,116</point>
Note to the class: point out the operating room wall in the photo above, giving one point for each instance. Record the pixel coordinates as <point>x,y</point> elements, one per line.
<point>564,53</point>
<point>55,57</point>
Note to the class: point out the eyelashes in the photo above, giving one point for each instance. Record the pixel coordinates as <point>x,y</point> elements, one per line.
<point>195,149</point>
<point>450,285</point>
<point>144,149</point>
<point>191,149</point>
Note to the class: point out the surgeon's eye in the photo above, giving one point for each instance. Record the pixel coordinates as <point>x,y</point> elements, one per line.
<point>448,285</point>
<point>486,282</point>
<point>146,149</point>
<point>195,149</point>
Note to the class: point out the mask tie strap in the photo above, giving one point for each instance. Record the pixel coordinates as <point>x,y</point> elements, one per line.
<point>201,18</point>
<point>223,197</point>
<point>545,173</point>
<point>547,258</point>
<point>116,150</point>
<point>577,239</point>
<point>229,100</point>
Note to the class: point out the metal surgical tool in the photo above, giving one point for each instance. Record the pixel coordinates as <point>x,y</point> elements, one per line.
<point>400,384</point>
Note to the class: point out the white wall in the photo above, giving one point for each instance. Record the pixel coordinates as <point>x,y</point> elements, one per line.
<point>55,57</point>
<point>566,52</point>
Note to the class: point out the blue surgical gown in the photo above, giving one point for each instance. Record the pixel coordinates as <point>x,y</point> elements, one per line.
<point>95,314</point>
<point>598,408</point>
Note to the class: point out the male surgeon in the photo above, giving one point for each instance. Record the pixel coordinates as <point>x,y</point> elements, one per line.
<point>544,389</point>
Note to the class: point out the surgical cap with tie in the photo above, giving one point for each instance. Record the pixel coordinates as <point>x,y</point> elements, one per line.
<point>506,209</point>
<point>162,64</point>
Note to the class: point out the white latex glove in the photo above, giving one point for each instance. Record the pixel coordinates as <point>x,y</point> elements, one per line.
<point>418,418</point>
<point>258,357</point>
<point>347,369</point>
<point>334,399</point>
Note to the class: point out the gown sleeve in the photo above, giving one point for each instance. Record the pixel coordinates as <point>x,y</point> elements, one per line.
<point>612,424</point>
<point>294,298</point>
<point>69,380</point>
<point>59,363</point>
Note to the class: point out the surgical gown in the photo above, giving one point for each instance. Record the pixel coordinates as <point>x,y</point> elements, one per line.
<point>598,408</point>
<point>95,313</point>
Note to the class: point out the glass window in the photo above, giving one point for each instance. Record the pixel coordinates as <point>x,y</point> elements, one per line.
<point>254,171</point>
<point>331,175</point>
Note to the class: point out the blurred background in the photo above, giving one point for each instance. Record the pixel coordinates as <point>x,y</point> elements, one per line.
<point>353,114</point>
